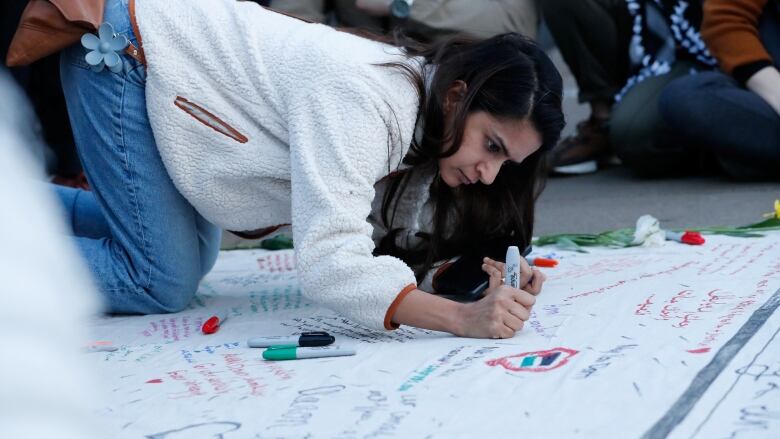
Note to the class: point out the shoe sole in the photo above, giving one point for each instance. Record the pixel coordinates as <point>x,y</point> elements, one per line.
<point>578,168</point>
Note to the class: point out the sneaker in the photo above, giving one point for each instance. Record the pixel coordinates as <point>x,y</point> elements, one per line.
<point>583,152</point>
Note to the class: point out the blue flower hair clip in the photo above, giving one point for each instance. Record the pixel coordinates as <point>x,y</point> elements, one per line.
<point>103,49</point>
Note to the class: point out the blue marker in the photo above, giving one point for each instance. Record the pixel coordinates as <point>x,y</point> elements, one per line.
<point>512,276</point>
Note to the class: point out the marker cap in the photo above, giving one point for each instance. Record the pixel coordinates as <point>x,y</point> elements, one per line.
<point>211,325</point>
<point>306,339</point>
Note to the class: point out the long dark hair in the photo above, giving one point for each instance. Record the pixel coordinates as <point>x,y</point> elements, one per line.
<point>507,76</point>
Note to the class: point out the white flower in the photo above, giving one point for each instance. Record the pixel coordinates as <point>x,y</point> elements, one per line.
<point>648,232</point>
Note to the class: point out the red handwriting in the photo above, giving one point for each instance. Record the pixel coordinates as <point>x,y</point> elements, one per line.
<point>712,300</point>
<point>727,319</point>
<point>643,308</point>
<point>686,320</point>
<point>684,294</point>
<point>278,371</point>
<point>174,328</point>
<point>698,351</point>
<point>754,258</point>
<point>214,378</point>
<point>193,387</point>
<point>280,262</point>
<point>627,281</point>
<point>762,287</point>
<point>216,383</point>
<point>603,266</point>
<point>680,313</point>
<point>236,365</point>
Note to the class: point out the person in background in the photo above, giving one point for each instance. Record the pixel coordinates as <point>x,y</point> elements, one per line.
<point>41,83</point>
<point>46,295</point>
<point>734,114</point>
<point>623,53</point>
<point>425,20</point>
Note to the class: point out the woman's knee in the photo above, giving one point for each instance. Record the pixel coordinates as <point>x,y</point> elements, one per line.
<point>173,293</point>
<point>679,102</point>
<point>629,138</point>
<point>209,240</point>
<point>640,143</point>
<point>164,283</point>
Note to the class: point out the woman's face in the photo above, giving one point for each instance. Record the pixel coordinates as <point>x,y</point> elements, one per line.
<point>488,143</point>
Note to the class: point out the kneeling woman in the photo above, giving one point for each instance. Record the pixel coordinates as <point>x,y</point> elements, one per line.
<point>221,114</point>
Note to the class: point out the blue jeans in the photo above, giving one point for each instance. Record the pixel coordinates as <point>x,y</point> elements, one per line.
<point>719,116</point>
<point>145,244</point>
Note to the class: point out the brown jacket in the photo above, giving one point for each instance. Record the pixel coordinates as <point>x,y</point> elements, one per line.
<point>730,29</point>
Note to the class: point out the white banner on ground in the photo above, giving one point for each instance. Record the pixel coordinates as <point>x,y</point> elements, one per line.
<point>673,341</point>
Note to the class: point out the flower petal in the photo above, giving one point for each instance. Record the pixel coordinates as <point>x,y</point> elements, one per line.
<point>646,225</point>
<point>116,68</point>
<point>94,58</point>
<point>99,67</point>
<point>112,59</point>
<point>106,32</point>
<point>692,238</point>
<point>119,42</point>
<point>90,41</point>
<point>655,239</point>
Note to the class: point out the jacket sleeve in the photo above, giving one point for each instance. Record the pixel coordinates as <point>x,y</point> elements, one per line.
<point>338,150</point>
<point>730,29</point>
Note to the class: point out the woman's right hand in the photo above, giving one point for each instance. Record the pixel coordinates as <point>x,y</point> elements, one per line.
<point>532,277</point>
<point>499,314</point>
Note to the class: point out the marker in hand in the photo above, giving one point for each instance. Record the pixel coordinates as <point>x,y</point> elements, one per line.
<point>512,276</point>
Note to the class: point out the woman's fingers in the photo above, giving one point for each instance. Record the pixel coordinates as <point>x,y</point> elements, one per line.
<point>498,315</point>
<point>495,270</point>
<point>513,324</point>
<point>526,273</point>
<point>536,284</point>
<point>524,298</point>
<point>497,264</point>
<point>519,311</point>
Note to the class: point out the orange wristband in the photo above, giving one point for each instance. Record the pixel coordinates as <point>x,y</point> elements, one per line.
<point>389,324</point>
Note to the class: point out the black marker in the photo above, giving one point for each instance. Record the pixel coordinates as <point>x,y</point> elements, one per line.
<point>306,339</point>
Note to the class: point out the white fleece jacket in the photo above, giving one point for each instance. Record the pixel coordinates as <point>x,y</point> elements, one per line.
<point>262,119</point>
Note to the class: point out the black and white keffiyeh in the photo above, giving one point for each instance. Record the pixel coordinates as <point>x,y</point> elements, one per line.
<point>662,32</point>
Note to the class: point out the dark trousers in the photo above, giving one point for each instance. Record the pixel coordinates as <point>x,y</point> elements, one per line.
<point>720,117</point>
<point>41,82</point>
<point>593,37</point>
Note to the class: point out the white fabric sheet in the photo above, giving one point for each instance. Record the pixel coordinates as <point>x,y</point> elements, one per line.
<point>678,341</point>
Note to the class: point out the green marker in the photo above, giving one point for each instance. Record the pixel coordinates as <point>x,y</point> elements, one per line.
<point>287,352</point>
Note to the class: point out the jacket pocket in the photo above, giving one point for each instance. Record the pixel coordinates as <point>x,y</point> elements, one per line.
<point>209,119</point>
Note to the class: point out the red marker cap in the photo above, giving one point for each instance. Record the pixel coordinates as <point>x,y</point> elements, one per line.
<point>211,325</point>
<point>543,262</point>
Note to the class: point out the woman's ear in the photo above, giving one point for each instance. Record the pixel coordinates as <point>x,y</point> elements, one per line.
<point>454,96</point>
